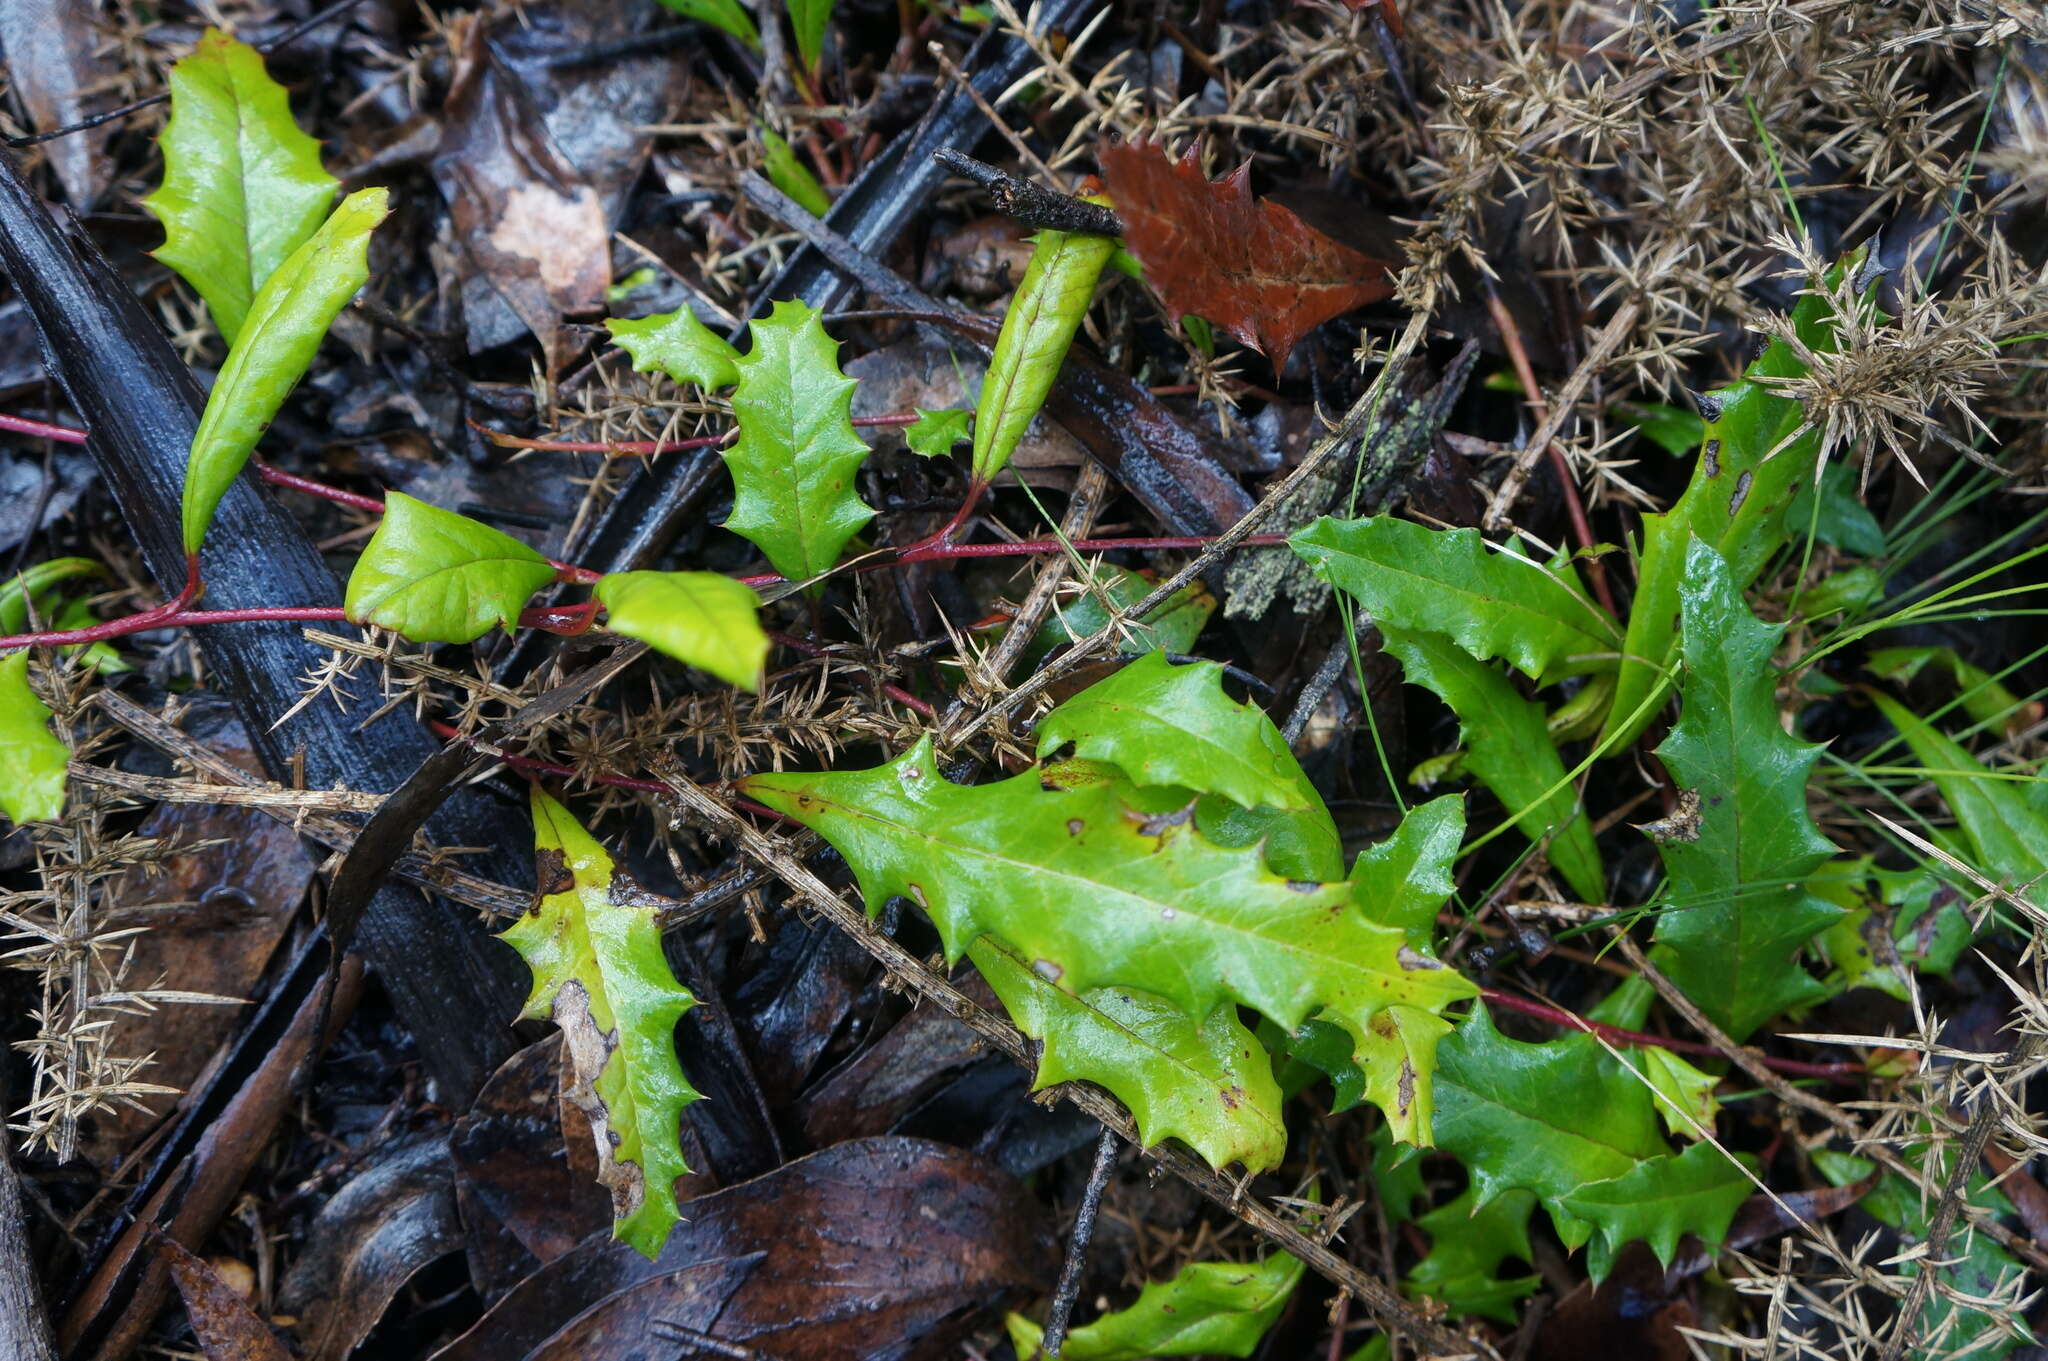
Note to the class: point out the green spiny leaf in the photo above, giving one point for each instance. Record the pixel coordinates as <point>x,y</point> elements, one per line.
<point>2009,836</point>
<point>702,619</point>
<point>1660,1201</point>
<point>276,343</point>
<point>1549,1118</point>
<point>1468,1241</point>
<point>243,187</point>
<point>727,16</point>
<point>32,760</point>
<point>1050,303</point>
<point>1095,893</point>
<point>1753,482</point>
<point>794,462</point>
<point>790,175</point>
<point>1685,1095</point>
<point>599,974</point>
<point>810,19</point>
<point>1508,747</point>
<point>1210,1085</point>
<point>438,577</point>
<point>1173,725</point>
<point>1739,910</point>
<point>934,433</point>
<point>1489,602</point>
<point>679,345</point>
<point>1208,1309</point>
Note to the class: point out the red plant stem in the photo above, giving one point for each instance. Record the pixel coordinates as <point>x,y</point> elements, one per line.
<point>619,448</point>
<point>1575,511</point>
<point>22,425</point>
<point>1834,1072</point>
<point>895,692</point>
<point>526,765</point>
<point>165,615</point>
<point>564,571</point>
<point>929,551</point>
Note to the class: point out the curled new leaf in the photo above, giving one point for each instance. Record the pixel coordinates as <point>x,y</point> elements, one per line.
<point>703,619</point>
<point>285,325</point>
<point>679,345</point>
<point>1739,908</point>
<point>1109,895</point>
<point>1209,1085</point>
<point>1490,602</point>
<point>1208,1309</point>
<point>439,577</point>
<point>243,186</point>
<point>599,974</point>
<point>32,760</point>
<point>1248,265</point>
<point>1037,330</point>
<point>794,462</point>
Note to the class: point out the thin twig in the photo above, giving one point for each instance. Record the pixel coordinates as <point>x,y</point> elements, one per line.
<point>777,855</point>
<point>1069,1287</point>
<point>1030,202</point>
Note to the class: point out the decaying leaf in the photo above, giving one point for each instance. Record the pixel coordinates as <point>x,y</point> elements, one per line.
<point>227,1328</point>
<point>599,974</point>
<point>528,217</point>
<point>1245,264</point>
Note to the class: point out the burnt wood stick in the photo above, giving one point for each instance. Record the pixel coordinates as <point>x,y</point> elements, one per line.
<point>452,986</point>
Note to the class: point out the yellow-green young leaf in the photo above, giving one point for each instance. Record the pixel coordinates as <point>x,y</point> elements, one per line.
<point>599,974</point>
<point>1210,1085</point>
<point>934,433</point>
<point>1043,316</point>
<point>38,585</point>
<point>1095,892</point>
<point>810,18</point>
<point>1209,1309</point>
<point>1167,724</point>
<point>439,577</point>
<point>277,342</point>
<point>787,173</point>
<point>794,463</point>
<point>243,187</point>
<point>32,760</point>
<point>727,16</point>
<point>679,345</point>
<point>701,619</point>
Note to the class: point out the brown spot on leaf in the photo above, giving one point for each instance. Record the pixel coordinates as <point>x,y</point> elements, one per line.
<point>1411,960</point>
<point>588,1048</point>
<point>1741,492</point>
<point>1682,825</point>
<point>1159,824</point>
<point>1075,826</point>
<point>1711,456</point>
<point>553,873</point>
<point>1404,1089</point>
<point>1233,1097</point>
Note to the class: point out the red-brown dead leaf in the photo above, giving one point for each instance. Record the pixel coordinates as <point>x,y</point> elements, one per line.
<point>1244,264</point>
<point>227,1328</point>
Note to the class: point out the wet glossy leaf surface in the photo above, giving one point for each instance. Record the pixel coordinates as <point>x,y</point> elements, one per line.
<point>439,577</point>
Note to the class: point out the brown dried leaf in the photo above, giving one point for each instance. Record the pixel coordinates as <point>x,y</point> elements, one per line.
<point>1247,265</point>
<point>227,1328</point>
<point>527,217</point>
<point>54,62</point>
